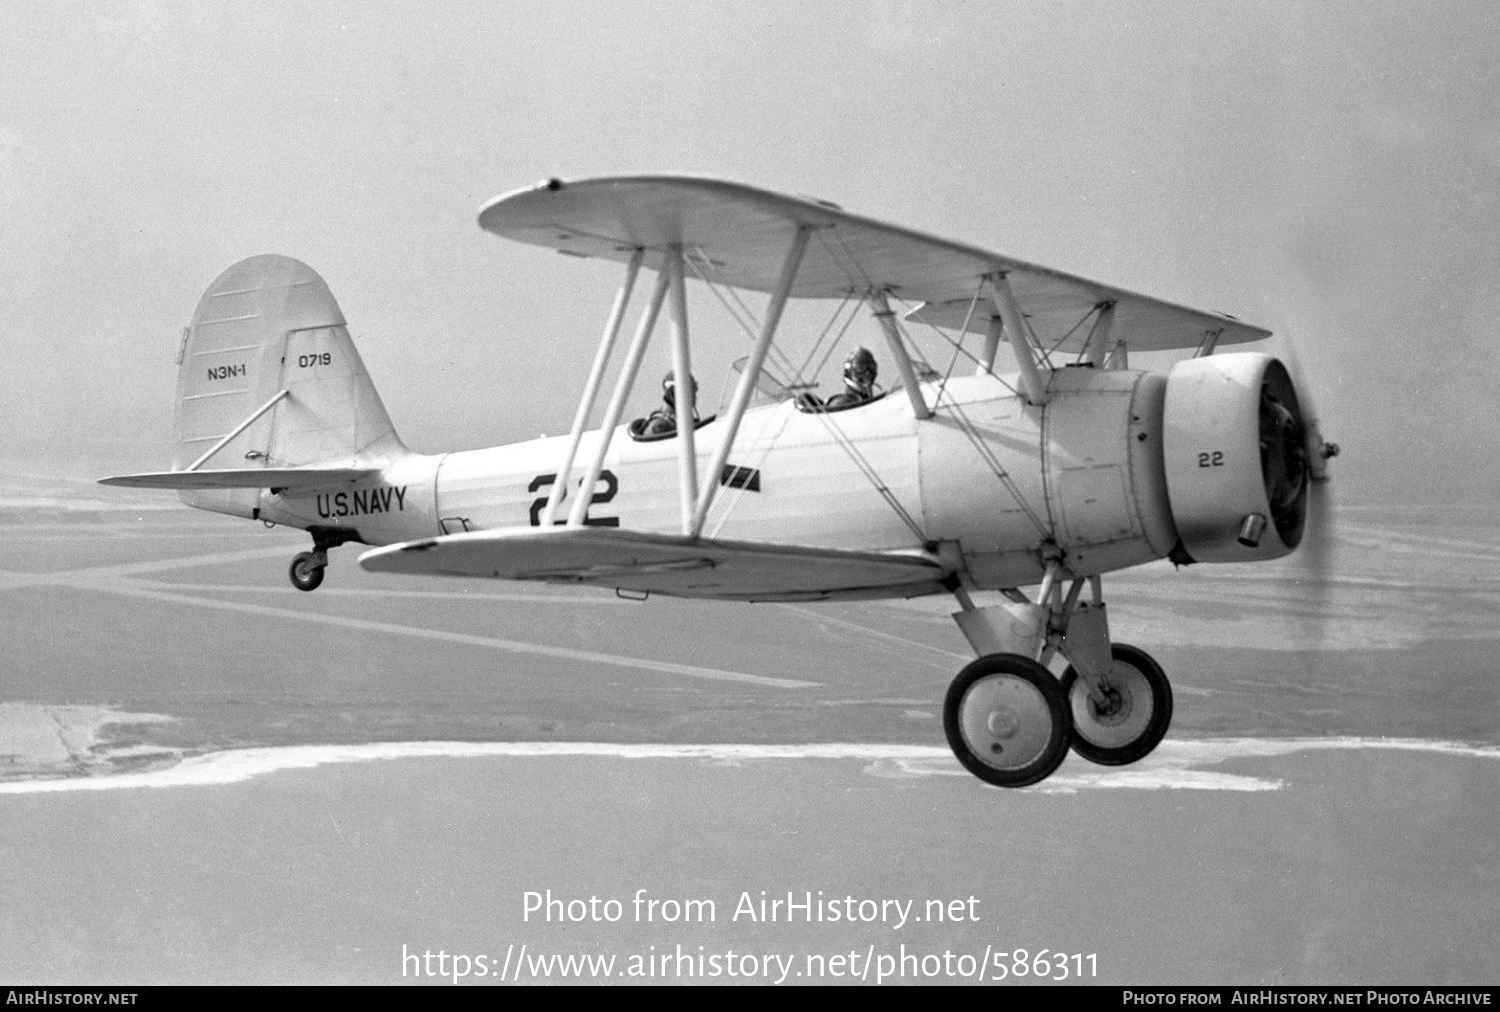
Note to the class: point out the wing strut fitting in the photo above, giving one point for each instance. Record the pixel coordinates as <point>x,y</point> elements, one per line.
<point>1209,342</point>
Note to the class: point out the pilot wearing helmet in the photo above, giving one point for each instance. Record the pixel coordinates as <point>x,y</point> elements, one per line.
<point>663,421</point>
<point>859,381</point>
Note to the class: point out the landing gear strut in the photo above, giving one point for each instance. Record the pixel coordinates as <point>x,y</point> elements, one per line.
<point>306,571</point>
<point>1010,721</point>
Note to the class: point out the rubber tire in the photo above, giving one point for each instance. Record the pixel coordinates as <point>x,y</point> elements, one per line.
<point>314,578</point>
<point>1155,729</point>
<point>1018,678</point>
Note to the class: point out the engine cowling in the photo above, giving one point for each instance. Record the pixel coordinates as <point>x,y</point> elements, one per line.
<point>1234,443</point>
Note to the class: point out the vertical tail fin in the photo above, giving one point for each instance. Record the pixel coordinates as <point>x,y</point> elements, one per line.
<point>268,377</point>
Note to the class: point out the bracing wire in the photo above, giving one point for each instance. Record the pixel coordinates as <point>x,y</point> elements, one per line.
<point>752,329</point>
<point>1071,331</point>
<point>860,281</point>
<point>968,318</point>
<point>959,349</point>
<point>728,499</point>
<point>868,470</point>
<point>827,329</point>
<point>853,315</point>
<point>971,431</point>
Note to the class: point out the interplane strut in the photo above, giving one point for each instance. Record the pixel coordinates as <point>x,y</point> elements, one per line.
<point>616,407</point>
<point>682,370</point>
<point>749,378</point>
<point>1032,387</point>
<point>591,387</point>
<point>882,309</point>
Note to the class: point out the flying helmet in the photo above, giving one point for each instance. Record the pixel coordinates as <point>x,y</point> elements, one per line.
<point>669,388</point>
<point>859,369</point>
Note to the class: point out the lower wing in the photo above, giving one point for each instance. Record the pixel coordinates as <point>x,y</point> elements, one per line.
<point>675,566</point>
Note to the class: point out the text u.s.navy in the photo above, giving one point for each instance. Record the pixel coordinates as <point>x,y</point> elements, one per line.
<point>361,502</point>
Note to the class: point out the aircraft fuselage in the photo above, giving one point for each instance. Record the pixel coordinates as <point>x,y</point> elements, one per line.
<point>1002,482</point>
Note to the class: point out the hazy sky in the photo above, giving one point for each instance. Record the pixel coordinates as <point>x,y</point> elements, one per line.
<point>1327,171</point>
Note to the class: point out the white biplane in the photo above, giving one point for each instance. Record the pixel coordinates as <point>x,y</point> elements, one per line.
<point>1049,473</point>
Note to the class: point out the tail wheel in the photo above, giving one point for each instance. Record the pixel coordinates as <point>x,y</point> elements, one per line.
<point>1132,716</point>
<point>306,571</point>
<point>1007,720</point>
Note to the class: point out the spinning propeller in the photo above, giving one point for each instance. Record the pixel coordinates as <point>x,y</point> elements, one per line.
<point>1294,457</point>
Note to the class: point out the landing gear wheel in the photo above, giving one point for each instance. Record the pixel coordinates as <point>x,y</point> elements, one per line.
<point>1007,720</point>
<point>1132,718</point>
<point>306,571</point>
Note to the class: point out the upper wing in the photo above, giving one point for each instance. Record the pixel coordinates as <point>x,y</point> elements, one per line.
<point>740,235</point>
<point>302,479</point>
<point>662,564</point>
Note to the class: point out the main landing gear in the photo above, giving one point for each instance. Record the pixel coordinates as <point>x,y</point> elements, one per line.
<point>1007,720</point>
<point>306,571</point>
<point>1125,717</point>
<point>1010,721</point>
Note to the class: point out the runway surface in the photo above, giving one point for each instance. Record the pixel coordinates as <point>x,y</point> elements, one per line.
<point>207,776</point>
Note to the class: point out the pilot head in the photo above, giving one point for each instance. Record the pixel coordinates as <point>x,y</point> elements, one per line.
<point>669,389</point>
<point>860,371</point>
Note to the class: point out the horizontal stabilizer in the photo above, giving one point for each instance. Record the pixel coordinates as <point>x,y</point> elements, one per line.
<point>300,479</point>
<point>664,564</point>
